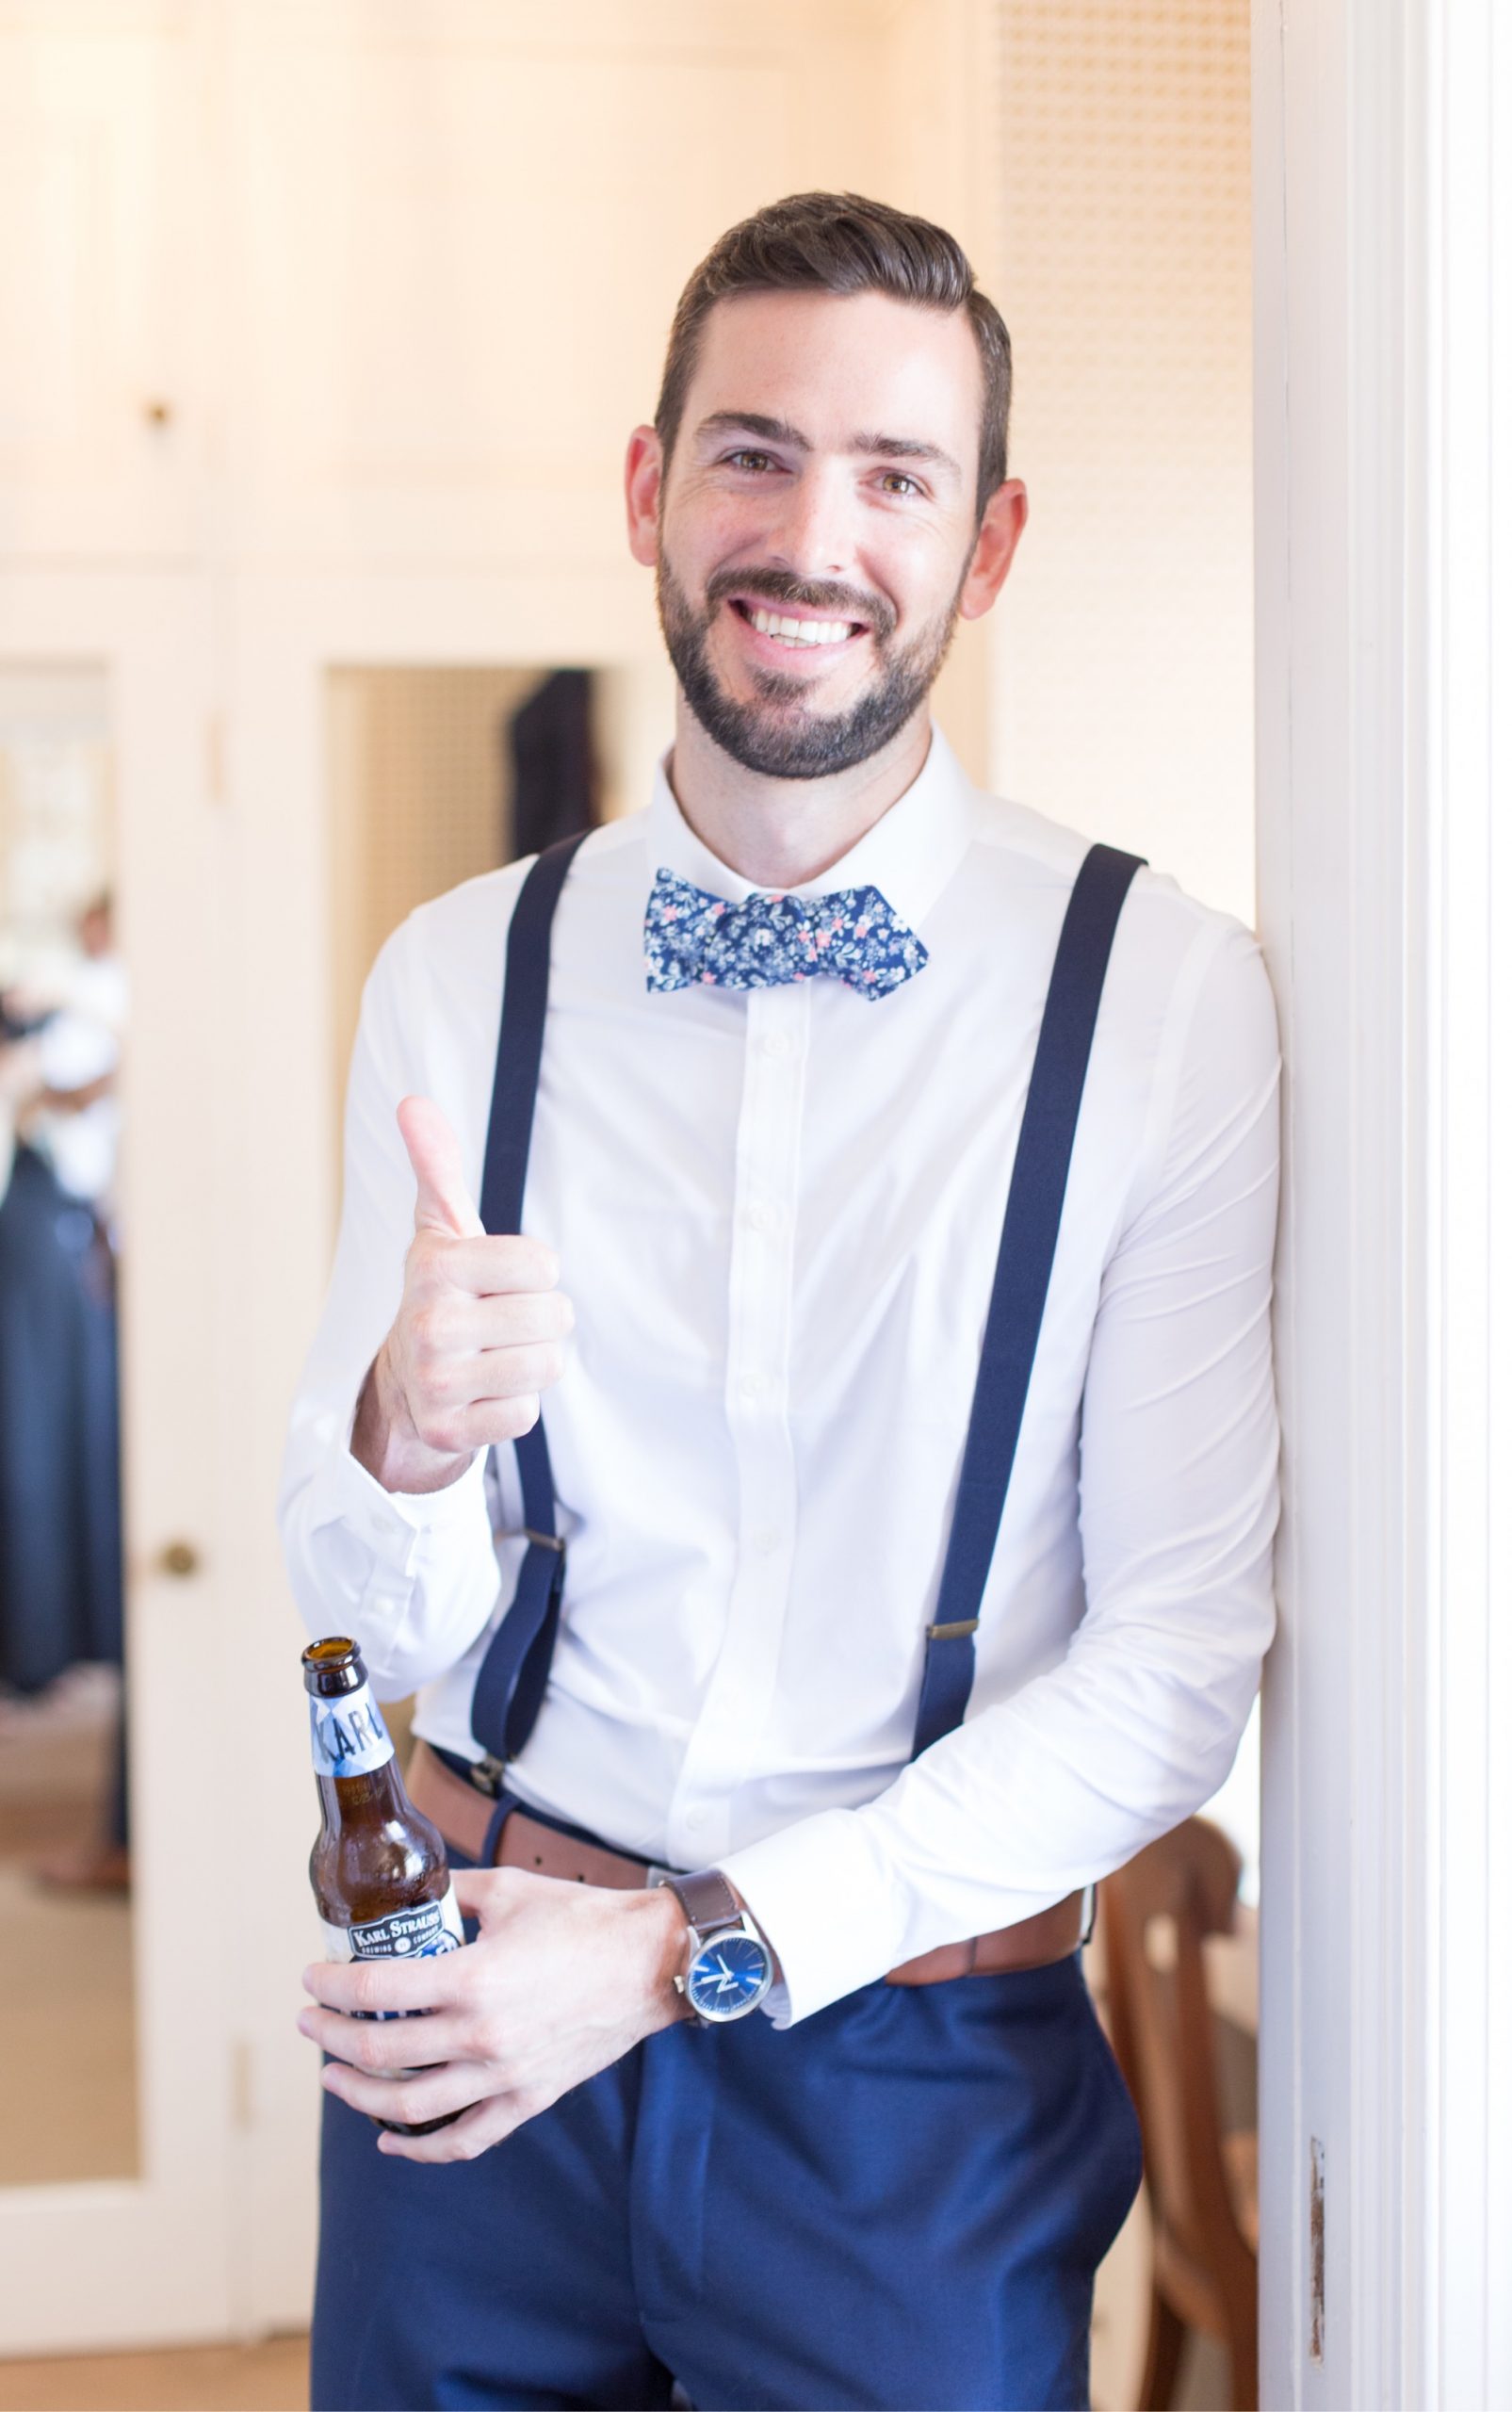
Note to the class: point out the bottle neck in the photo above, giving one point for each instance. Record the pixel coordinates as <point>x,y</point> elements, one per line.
<point>353,1756</point>
<point>372,1799</point>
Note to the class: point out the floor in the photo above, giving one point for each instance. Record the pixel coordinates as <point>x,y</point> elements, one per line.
<point>272,2377</point>
<point>67,2001</point>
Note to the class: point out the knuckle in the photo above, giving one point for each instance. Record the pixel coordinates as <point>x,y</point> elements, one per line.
<point>520,1414</point>
<point>424,1265</point>
<point>537,1263</point>
<point>481,2040</point>
<point>428,1330</point>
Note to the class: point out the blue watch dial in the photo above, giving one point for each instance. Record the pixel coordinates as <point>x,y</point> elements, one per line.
<point>729,1975</point>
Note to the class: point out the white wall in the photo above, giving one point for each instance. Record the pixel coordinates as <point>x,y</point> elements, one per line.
<point>1123,682</point>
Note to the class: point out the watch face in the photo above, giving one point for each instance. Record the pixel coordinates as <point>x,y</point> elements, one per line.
<point>729,1975</point>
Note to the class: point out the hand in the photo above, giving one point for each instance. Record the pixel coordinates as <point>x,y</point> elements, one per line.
<point>562,1979</point>
<point>477,1337</point>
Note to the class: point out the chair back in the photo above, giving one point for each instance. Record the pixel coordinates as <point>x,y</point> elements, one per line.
<point>1158,1911</point>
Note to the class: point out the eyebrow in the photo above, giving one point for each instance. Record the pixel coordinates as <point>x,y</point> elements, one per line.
<point>870,445</point>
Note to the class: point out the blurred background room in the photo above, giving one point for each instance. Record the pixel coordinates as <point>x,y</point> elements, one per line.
<point>323,325</point>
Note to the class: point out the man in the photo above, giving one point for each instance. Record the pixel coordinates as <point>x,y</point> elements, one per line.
<point>793,1013</point>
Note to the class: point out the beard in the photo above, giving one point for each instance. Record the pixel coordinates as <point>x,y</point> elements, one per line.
<point>777,734</point>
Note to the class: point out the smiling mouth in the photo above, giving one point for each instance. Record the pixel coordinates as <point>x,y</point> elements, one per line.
<point>787,628</point>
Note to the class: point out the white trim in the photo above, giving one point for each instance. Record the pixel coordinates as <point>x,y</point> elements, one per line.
<point>129,2263</point>
<point>1383,553</point>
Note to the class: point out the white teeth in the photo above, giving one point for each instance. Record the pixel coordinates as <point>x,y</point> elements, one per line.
<point>788,631</point>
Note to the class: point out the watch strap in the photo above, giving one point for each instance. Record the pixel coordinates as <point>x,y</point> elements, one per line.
<point>709,1900</point>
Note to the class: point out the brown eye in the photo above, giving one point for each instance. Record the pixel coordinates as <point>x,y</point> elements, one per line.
<point>749,460</point>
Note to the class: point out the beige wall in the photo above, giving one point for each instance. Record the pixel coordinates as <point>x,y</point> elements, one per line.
<point>1123,696</point>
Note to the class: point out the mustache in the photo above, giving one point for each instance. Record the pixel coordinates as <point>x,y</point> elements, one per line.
<point>837,602</point>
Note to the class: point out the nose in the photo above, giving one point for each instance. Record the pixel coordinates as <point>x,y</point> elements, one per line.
<point>812,532</point>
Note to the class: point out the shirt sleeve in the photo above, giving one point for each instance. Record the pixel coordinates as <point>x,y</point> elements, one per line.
<point>1036,1795</point>
<point>412,1577</point>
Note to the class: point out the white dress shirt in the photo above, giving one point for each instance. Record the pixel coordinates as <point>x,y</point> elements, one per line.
<point>777,1213</point>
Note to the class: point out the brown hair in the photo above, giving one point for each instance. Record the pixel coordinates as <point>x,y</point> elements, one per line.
<point>840,242</point>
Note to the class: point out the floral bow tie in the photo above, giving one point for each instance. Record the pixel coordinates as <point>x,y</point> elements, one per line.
<point>694,940</point>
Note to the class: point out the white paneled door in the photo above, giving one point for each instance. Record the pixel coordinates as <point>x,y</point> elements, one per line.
<point>135,2260</point>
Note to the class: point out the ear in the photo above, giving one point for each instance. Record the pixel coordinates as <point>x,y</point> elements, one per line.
<point>642,494</point>
<point>996,541</point>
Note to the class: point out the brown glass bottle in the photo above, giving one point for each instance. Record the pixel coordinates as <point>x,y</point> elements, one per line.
<point>378,1868</point>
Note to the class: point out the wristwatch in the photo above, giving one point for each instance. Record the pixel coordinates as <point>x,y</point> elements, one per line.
<point>729,1966</point>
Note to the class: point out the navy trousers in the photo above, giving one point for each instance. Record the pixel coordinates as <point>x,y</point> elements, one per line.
<point>902,2201</point>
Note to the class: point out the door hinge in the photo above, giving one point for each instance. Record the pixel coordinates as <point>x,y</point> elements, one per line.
<point>1316,2235</point>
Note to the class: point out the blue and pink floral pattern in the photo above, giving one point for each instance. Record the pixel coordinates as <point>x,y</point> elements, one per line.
<point>694,940</point>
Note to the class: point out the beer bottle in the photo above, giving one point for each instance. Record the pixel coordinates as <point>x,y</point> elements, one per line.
<point>378,1868</point>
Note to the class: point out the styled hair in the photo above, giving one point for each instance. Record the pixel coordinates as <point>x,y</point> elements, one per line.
<point>840,242</point>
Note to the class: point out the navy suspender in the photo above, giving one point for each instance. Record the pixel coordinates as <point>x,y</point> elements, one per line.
<point>1025,1255</point>
<point>512,1678</point>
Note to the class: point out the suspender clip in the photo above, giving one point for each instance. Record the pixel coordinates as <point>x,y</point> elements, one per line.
<point>487,1775</point>
<point>546,1540</point>
<point>950,1632</point>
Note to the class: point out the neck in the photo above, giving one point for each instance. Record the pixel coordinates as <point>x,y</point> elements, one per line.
<point>781,833</point>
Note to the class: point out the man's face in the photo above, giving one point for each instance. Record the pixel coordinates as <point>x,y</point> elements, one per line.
<point>816,536</point>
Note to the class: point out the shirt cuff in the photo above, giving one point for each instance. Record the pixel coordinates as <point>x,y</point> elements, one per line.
<point>395,1523</point>
<point>829,1904</point>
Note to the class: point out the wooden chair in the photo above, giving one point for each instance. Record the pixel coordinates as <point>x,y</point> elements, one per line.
<point>1201,2183</point>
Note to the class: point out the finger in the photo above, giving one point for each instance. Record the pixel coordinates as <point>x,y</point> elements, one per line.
<point>498,1265</point>
<point>510,1319</point>
<point>456,1431</point>
<point>379,2044</point>
<point>467,2137</point>
<point>454,2086</point>
<point>487,1893</point>
<point>441,1199</point>
<point>390,1985</point>
<point>479,1378</point>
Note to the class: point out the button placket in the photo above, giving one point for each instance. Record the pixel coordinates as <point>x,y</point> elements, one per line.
<point>740,1687</point>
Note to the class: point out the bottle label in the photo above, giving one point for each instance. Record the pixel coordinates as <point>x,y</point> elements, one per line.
<point>422,1931</point>
<point>348,1736</point>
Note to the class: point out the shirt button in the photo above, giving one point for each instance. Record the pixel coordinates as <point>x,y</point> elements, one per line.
<point>762,1217</point>
<point>776,1043</point>
<point>752,1389</point>
<point>696,1821</point>
<point>767,1542</point>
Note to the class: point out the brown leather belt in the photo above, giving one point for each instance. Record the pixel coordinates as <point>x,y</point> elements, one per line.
<point>463,1813</point>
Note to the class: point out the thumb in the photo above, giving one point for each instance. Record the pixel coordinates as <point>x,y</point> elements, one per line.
<point>442,1202</point>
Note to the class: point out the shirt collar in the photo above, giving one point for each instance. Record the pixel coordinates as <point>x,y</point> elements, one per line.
<point>910,854</point>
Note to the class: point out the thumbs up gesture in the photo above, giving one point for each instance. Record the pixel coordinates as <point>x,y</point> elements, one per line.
<point>477,1337</point>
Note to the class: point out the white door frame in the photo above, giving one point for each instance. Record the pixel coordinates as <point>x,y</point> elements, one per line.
<point>121,2261</point>
<point>1383,318</point>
